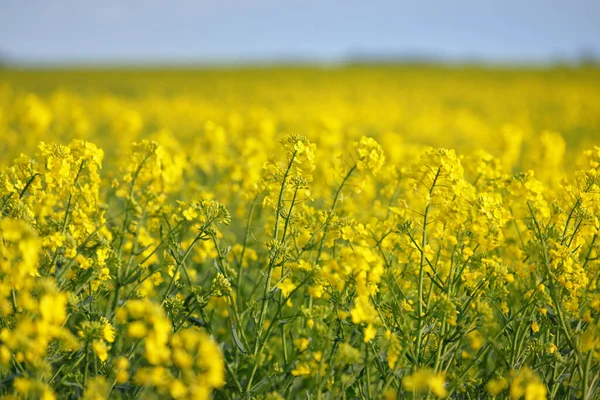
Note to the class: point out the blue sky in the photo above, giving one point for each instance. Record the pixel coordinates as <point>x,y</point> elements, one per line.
<point>233,31</point>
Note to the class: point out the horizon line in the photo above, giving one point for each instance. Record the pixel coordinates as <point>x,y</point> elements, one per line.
<point>300,61</point>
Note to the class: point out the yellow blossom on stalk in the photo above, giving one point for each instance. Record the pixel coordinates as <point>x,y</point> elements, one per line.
<point>22,385</point>
<point>476,340</point>
<point>536,391</point>
<point>301,344</point>
<point>108,332</point>
<point>425,380</point>
<point>348,354</point>
<point>525,383</point>
<point>590,340</point>
<point>394,351</point>
<point>302,150</point>
<point>208,361</point>
<point>47,394</point>
<point>369,333</point>
<point>137,329</point>
<point>100,349</point>
<point>363,311</point>
<point>496,386</point>
<point>370,155</point>
<point>178,389</point>
<point>121,366</point>
<point>301,369</point>
<point>286,286</point>
<point>97,388</point>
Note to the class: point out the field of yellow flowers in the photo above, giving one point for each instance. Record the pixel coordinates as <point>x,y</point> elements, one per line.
<point>287,233</point>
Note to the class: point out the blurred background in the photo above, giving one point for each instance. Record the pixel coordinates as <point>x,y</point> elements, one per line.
<point>132,32</point>
<point>518,79</point>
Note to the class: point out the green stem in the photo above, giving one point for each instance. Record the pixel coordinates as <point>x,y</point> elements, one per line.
<point>330,215</point>
<point>586,377</point>
<point>422,263</point>
<point>368,367</point>
<point>241,260</point>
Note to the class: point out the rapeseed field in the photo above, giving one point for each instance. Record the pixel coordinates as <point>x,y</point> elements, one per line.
<point>357,232</point>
